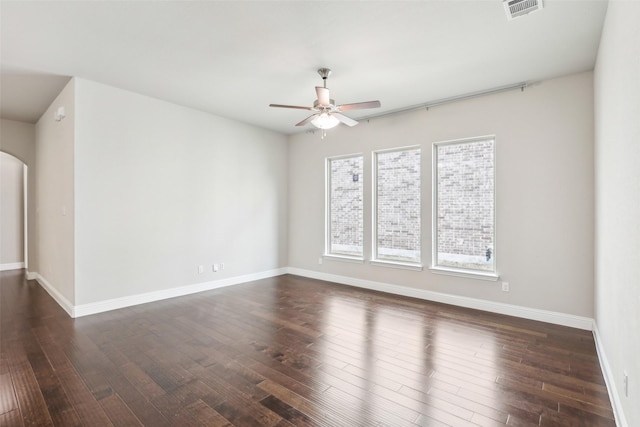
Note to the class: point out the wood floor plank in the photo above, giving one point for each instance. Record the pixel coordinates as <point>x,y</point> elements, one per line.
<point>199,413</point>
<point>74,387</point>
<point>287,412</point>
<point>12,418</point>
<point>31,401</point>
<point>290,351</point>
<point>365,409</point>
<point>118,412</point>
<point>310,409</point>
<point>457,402</point>
<point>61,410</point>
<point>243,402</point>
<point>8,401</point>
<point>170,403</point>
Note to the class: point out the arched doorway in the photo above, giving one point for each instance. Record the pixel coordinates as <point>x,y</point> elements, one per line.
<point>13,213</point>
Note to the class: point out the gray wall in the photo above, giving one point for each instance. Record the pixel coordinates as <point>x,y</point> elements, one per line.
<point>161,189</point>
<point>617,282</point>
<point>55,195</point>
<point>544,190</point>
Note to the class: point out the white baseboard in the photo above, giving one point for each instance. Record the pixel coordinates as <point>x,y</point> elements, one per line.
<point>60,299</point>
<point>609,379</point>
<point>491,306</point>
<point>553,317</point>
<point>128,301</point>
<point>12,266</point>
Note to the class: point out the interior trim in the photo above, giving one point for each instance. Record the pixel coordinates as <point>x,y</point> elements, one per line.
<point>11,266</point>
<point>55,294</point>
<point>556,318</point>
<point>129,301</point>
<point>609,379</point>
<point>553,317</point>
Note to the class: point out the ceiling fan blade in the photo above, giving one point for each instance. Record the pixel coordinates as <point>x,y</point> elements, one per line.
<point>307,120</point>
<point>344,119</point>
<point>290,106</point>
<point>359,106</point>
<point>323,96</point>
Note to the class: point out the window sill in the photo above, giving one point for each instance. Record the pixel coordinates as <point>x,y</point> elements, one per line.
<point>343,258</point>
<point>396,264</point>
<point>492,277</point>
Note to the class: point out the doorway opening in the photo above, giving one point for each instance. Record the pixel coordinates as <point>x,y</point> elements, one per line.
<point>14,251</point>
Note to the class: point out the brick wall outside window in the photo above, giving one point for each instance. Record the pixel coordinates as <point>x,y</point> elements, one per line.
<point>346,206</point>
<point>398,205</point>
<point>465,204</point>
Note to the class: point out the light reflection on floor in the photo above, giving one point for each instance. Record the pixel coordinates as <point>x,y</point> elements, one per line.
<point>379,360</point>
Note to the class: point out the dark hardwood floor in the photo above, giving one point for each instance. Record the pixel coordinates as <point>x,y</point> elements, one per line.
<point>290,351</point>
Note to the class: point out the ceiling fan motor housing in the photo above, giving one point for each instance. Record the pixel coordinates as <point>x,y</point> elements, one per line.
<point>318,106</point>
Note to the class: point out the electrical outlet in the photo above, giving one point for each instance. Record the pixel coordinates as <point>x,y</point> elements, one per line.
<point>216,267</point>
<point>626,384</point>
<point>505,286</point>
<point>222,266</point>
<point>200,269</point>
<point>320,260</point>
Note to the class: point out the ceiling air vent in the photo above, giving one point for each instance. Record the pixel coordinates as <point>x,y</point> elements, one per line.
<point>517,8</point>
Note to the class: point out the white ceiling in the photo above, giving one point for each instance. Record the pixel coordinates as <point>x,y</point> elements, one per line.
<point>234,58</point>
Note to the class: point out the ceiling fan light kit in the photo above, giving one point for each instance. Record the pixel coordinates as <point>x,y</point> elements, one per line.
<point>326,114</point>
<point>325,121</point>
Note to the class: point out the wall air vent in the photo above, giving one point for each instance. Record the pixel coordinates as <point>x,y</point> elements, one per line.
<point>517,8</point>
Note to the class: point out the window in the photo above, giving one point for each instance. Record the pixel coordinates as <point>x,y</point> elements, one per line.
<point>464,205</point>
<point>345,209</point>
<point>397,233</point>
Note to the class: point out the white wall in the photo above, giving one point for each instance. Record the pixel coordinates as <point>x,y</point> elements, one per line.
<point>544,166</point>
<point>55,195</point>
<point>617,119</point>
<point>11,212</point>
<point>161,189</point>
<point>19,140</point>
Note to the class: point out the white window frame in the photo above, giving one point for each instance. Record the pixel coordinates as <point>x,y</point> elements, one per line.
<point>327,237</point>
<point>463,272</point>
<point>375,259</point>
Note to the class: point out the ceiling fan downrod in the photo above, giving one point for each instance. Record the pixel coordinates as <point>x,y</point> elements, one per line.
<point>324,73</point>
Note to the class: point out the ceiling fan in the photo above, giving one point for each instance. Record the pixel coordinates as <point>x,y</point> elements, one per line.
<point>326,114</point>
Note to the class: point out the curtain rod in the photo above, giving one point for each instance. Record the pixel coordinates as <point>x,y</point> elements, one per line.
<point>435,103</point>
